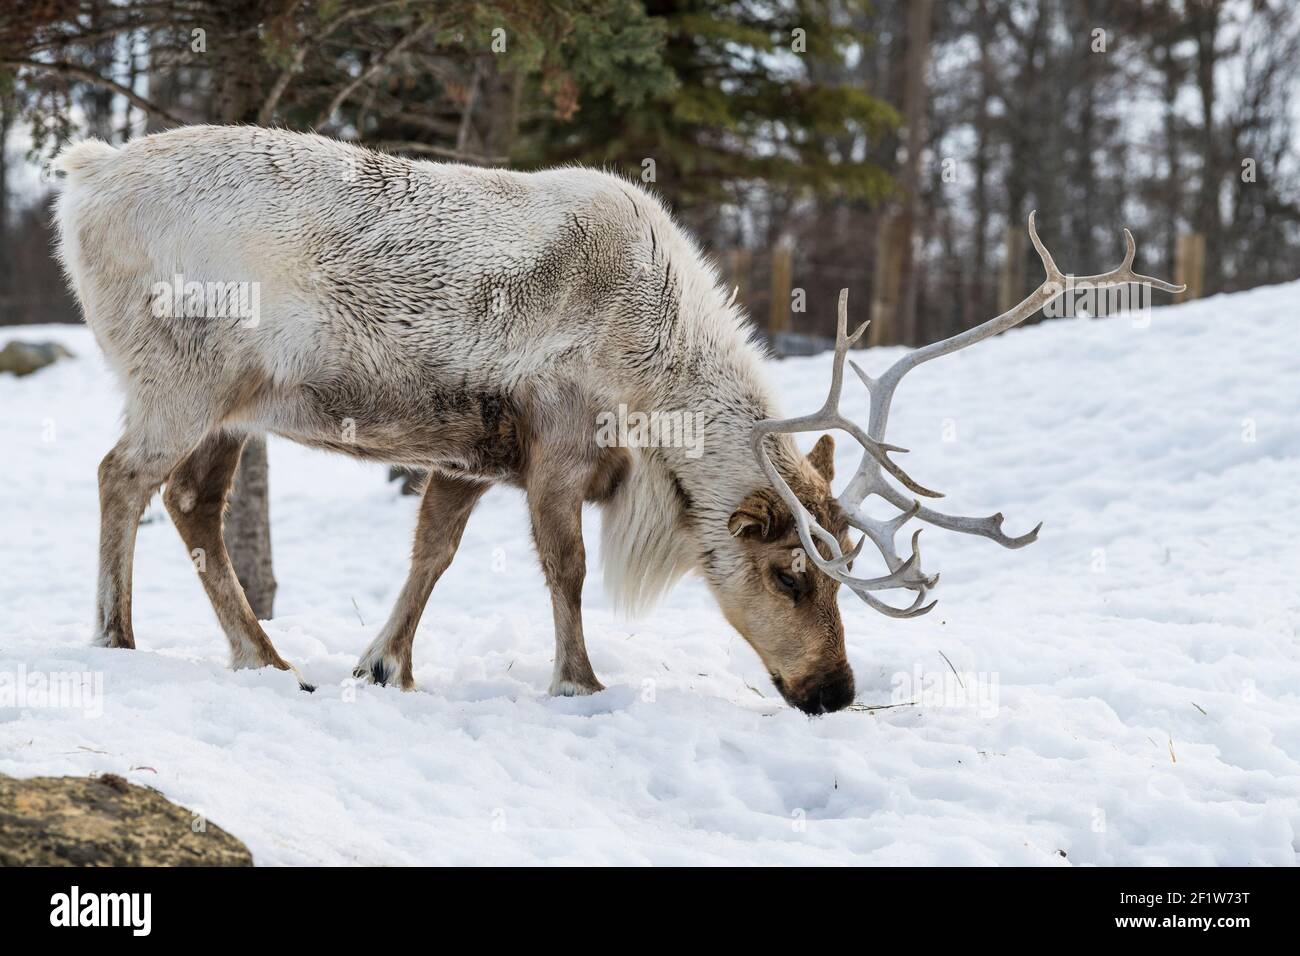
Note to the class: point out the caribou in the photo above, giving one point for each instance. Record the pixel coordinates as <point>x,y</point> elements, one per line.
<point>477,323</point>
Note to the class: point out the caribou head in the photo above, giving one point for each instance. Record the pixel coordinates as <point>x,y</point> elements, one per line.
<point>794,533</point>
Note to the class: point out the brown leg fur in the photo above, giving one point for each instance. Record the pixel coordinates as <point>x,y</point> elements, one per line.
<point>555,505</point>
<point>196,498</point>
<point>124,490</point>
<point>444,511</point>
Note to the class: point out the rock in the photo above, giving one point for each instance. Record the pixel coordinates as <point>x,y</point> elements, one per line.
<point>23,358</point>
<point>105,821</point>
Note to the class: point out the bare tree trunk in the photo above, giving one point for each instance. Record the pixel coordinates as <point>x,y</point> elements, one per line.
<point>979,285</point>
<point>1209,219</point>
<point>490,121</point>
<point>1011,282</point>
<point>1189,266</point>
<point>1172,189</point>
<point>778,315</point>
<point>892,236</point>
<point>915,106</point>
<point>6,120</point>
<point>247,530</point>
<point>1084,137</point>
<point>163,90</point>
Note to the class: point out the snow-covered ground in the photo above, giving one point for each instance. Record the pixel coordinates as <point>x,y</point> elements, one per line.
<point>1131,683</point>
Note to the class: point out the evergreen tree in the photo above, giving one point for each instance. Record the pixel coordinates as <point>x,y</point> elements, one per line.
<point>748,104</point>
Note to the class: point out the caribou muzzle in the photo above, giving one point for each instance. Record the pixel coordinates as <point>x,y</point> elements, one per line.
<point>822,694</point>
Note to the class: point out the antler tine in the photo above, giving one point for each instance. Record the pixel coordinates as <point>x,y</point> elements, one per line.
<point>1130,250</point>
<point>863,377</point>
<point>900,578</point>
<point>888,526</point>
<point>844,560</point>
<point>1124,274</point>
<point>882,535</point>
<point>915,610</point>
<point>920,581</point>
<point>877,454</point>
<point>1049,264</point>
<point>987,527</point>
<point>843,342</point>
<point>842,322</point>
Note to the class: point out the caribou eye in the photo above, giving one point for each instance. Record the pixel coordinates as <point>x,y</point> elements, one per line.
<point>786,580</point>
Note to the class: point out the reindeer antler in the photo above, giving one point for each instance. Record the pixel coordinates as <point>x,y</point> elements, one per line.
<point>869,478</point>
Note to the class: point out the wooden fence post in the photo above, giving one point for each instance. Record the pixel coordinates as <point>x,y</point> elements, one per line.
<point>887,280</point>
<point>779,308</point>
<point>1189,266</point>
<point>738,271</point>
<point>1011,279</point>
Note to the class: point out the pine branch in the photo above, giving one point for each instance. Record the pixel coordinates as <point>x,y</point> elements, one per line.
<point>72,71</point>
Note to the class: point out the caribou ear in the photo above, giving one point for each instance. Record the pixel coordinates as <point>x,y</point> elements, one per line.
<point>822,457</point>
<point>762,514</point>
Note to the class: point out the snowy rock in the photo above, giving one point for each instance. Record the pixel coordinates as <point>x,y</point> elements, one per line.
<point>105,821</point>
<point>23,358</point>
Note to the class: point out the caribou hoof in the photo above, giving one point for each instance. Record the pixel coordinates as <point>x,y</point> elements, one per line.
<point>570,688</point>
<point>382,670</point>
<point>113,640</point>
<point>251,659</point>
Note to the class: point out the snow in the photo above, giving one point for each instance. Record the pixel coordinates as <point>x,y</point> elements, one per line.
<point>1129,683</point>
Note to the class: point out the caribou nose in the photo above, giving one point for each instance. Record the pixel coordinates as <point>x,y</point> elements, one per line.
<point>832,694</point>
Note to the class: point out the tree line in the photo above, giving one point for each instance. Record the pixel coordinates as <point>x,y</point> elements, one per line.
<point>894,148</point>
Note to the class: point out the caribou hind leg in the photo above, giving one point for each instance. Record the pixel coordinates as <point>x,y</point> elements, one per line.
<point>444,511</point>
<point>128,478</point>
<point>196,498</point>
<point>158,434</point>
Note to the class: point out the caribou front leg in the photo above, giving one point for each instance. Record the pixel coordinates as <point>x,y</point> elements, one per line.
<point>555,505</point>
<point>444,511</point>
